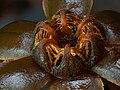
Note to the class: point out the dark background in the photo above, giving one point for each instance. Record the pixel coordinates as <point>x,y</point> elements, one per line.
<point>12,10</point>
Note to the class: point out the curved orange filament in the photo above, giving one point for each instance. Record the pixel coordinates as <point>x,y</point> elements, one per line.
<point>65,29</point>
<point>83,22</point>
<point>46,27</point>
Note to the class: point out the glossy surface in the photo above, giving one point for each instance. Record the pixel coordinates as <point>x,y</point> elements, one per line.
<point>25,74</point>
<point>19,75</point>
<point>19,27</point>
<point>22,74</point>
<point>81,7</point>
<point>16,40</point>
<point>109,68</point>
<point>86,82</point>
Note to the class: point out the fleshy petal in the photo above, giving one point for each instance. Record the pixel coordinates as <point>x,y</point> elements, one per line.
<point>81,7</point>
<point>22,74</point>
<point>19,27</point>
<point>87,82</point>
<point>15,40</point>
<point>109,68</point>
